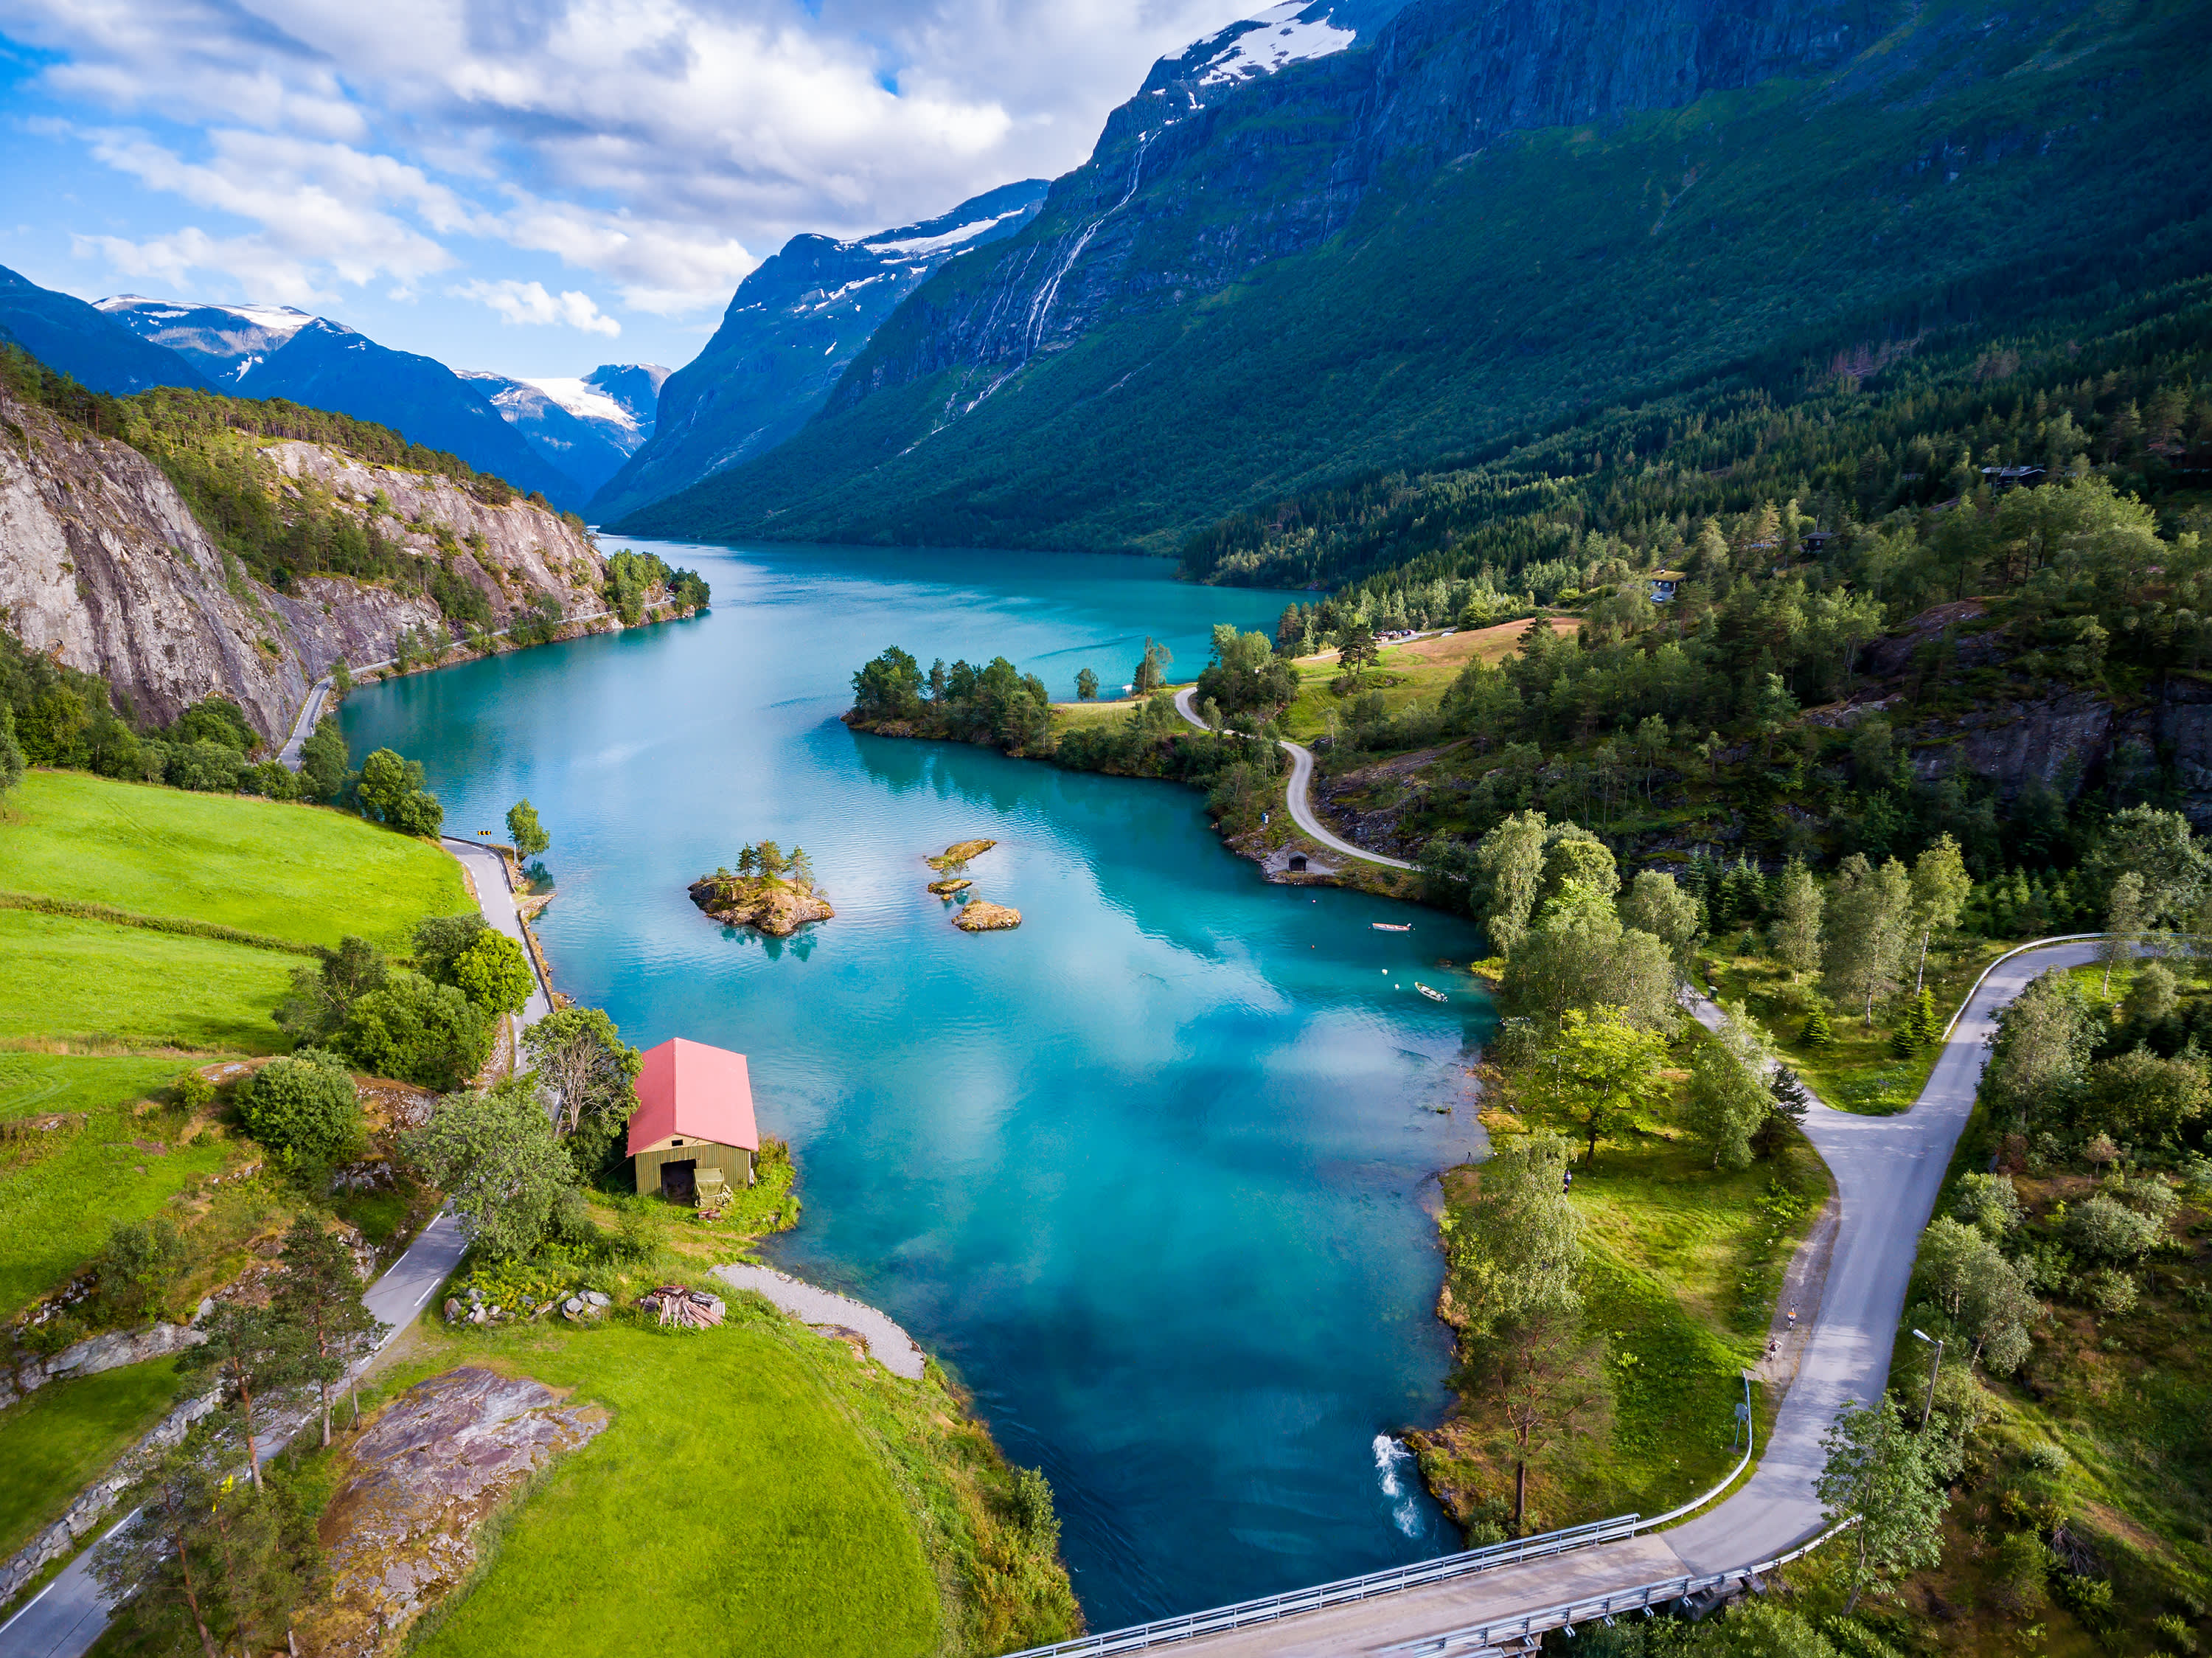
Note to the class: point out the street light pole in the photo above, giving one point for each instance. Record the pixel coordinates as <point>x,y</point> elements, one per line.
<point>1933,1371</point>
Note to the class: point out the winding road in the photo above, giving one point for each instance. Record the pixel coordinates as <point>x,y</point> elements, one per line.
<point>1299,792</point>
<point>64,1618</point>
<point>1887,1171</point>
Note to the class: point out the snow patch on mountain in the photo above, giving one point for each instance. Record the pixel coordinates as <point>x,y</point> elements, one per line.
<point>1277,37</point>
<point>584,400</point>
<point>275,323</point>
<point>923,246</point>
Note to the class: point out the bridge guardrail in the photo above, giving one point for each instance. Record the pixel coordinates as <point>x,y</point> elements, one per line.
<point>1475,1639</point>
<point>1268,1608</point>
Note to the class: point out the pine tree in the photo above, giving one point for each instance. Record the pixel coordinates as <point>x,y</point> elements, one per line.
<point>1818,1034</point>
<point>320,1293</point>
<point>1786,1111</point>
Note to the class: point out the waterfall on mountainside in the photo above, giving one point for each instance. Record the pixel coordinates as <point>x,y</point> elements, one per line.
<point>1040,307</point>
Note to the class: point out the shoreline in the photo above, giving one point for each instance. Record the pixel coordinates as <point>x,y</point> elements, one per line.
<point>1270,845</point>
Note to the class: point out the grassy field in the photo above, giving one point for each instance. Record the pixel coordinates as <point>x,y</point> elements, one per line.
<point>771,1524</point>
<point>97,1019</point>
<point>1857,1072</point>
<point>1679,1285</point>
<point>60,1192</point>
<point>803,1502</point>
<point>88,983</point>
<point>64,1435</point>
<point>297,872</point>
<point>1419,671</point>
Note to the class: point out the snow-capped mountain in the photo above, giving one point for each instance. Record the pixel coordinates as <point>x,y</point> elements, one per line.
<point>580,425</point>
<point>794,325</point>
<point>274,350</point>
<point>65,333</point>
<point>224,342</point>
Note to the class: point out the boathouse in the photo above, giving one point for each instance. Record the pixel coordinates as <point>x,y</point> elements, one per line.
<point>695,1114</point>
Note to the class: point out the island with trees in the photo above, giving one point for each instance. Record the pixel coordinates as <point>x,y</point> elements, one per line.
<point>770,890</point>
<point>1242,693</point>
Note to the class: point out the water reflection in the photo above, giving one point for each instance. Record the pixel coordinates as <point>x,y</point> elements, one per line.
<point>1147,1172</point>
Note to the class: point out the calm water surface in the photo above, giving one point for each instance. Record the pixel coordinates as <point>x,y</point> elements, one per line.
<point>1147,1174</point>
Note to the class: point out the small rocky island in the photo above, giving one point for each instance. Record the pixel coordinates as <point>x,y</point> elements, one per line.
<point>769,891</point>
<point>954,858</point>
<point>973,915</point>
<point>980,915</point>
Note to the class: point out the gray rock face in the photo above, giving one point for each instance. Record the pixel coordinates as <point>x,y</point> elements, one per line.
<point>401,1530</point>
<point>96,1353</point>
<point>102,563</point>
<point>89,1511</point>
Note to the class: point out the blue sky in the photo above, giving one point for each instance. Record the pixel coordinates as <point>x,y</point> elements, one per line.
<point>532,186</point>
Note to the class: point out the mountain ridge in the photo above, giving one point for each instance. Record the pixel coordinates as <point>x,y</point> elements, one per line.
<point>794,324</point>
<point>1310,278</point>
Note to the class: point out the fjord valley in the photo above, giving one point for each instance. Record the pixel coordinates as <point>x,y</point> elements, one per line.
<point>1422,868</point>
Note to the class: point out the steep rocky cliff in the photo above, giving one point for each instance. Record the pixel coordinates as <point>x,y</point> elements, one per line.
<point>104,567</point>
<point>1206,173</point>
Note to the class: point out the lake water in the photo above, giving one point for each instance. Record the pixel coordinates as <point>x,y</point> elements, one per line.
<point>1149,1173</point>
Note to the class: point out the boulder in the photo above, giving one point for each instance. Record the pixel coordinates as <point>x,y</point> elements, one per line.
<point>980,915</point>
<point>400,1529</point>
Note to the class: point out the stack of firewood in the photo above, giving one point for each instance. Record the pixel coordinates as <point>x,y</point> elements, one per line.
<point>673,1304</point>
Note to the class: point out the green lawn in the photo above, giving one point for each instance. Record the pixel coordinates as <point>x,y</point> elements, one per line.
<point>86,981</point>
<point>299,872</point>
<point>67,1434</point>
<point>1857,1072</point>
<point>59,1192</point>
<point>731,1497</point>
<point>1678,1289</point>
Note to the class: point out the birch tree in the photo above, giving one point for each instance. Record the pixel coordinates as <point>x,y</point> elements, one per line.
<point>1885,1480</point>
<point>1940,887</point>
<point>1794,932</point>
<point>2123,919</point>
<point>1864,936</point>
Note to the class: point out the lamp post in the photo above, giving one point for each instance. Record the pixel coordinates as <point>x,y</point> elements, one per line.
<point>1933,1371</point>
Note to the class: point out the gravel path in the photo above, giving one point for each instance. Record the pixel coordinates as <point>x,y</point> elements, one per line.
<point>888,1344</point>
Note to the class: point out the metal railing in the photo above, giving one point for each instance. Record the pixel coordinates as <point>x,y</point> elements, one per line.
<point>1343,1592</point>
<point>1139,1636</point>
<point>1475,1638</point>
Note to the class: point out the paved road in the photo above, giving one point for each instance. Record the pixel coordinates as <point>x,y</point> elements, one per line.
<point>303,728</point>
<point>1887,1171</point>
<point>1299,792</point>
<point>64,1618</point>
<point>488,869</point>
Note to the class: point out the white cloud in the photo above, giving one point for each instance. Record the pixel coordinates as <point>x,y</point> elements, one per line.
<point>529,302</point>
<point>662,145</point>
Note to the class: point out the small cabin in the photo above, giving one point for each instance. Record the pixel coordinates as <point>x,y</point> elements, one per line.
<point>1664,583</point>
<point>1297,863</point>
<point>694,1114</point>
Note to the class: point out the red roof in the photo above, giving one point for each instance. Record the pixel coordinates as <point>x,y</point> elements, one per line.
<point>692,1092</point>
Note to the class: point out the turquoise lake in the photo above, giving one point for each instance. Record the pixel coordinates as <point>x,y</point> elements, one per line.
<point>1153,1174</point>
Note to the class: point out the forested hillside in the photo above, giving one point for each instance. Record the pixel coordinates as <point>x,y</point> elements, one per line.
<point>1222,331</point>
